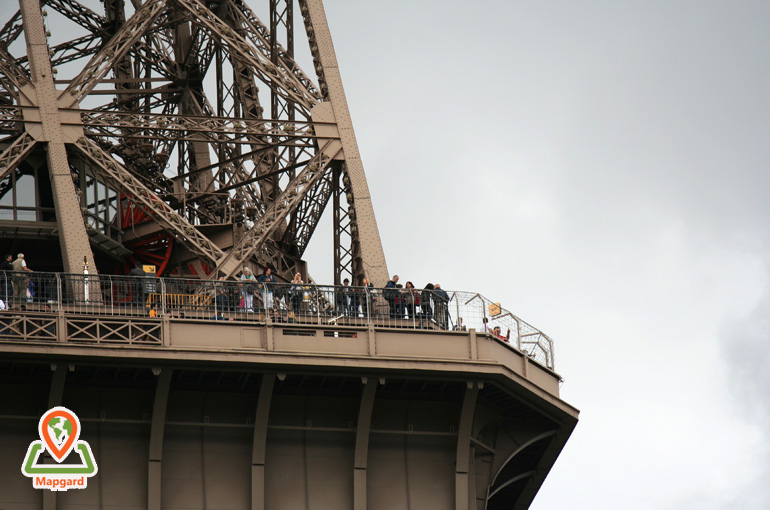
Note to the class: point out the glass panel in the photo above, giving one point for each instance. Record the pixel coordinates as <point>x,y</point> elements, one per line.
<point>26,215</point>
<point>90,190</point>
<point>25,189</point>
<point>7,197</point>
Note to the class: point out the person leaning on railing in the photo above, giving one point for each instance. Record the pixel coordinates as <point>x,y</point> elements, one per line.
<point>499,334</point>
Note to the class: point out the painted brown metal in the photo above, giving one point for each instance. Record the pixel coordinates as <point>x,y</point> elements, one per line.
<point>204,414</point>
<point>290,416</point>
<point>73,238</point>
<point>136,112</point>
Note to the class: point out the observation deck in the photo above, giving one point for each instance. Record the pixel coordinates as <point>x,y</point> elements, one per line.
<point>211,405</point>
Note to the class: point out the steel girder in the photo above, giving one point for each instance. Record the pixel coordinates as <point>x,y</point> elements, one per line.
<point>135,82</point>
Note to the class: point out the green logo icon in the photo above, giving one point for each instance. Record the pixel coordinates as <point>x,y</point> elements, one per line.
<point>59,429</point>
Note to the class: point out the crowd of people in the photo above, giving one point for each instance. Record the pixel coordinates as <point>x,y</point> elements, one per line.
<point>262,293</point>
<point>249,293</point>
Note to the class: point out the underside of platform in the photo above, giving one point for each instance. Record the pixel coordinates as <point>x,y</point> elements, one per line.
<point>297,426</point>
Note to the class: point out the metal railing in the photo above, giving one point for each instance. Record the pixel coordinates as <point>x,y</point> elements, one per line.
<point>180,298</point>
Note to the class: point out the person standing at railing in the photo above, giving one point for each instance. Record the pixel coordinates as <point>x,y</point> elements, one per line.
<point>6,266</point>
<point>441,298</point>
<point>390,293</point>
<point>221,301</point>
<point>295,293</point>
<point>499,334</point>
<point>366,294</point>
<point>20,281</point>
<point>137,283</point>
<point>354,300</point>
<point>267,280</point>
<point>426,307</point>
<point>248,286</point>
<point>412,300</point>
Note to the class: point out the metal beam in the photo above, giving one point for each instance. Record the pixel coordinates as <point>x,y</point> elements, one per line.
<point>156,438</point>
<point>462,464</point>
<point>259,448</point>
<point>365,228</point>
<point>120,178</point>
<point>15,153</point>
<point>73,238</point>
<point>255,238</point>
<point>54,399</point>
<point>117,48</point>
<point>363,429</point>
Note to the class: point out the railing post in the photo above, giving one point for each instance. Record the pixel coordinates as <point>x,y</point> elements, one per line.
<point>457,308</point>
<point>59,296</point>
<point>162,284</point>
<point>61,326</point>
<point>112,295</point>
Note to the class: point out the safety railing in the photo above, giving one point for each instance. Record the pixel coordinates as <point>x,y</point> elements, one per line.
<point>237,300</point>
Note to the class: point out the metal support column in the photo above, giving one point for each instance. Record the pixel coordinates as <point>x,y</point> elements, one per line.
<point>259,447</point>
<point>366,231</point>
<point>156,439</point>
<point>362,443</point>
<point>462,465</point>
<point>73,238</point>
<point>54,399</point>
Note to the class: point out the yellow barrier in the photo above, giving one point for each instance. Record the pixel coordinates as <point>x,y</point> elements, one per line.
<point>181,301</point>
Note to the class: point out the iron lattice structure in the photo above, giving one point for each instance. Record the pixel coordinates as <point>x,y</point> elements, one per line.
<point>182,133</point>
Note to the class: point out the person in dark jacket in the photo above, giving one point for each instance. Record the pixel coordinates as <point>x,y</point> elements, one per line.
<point>138,282</point>
<point>390,294</point>
<point>6,266</point>
<point>441,299</point>
<point>426,308</point>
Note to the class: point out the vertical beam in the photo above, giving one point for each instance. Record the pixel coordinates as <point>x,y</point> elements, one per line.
<point>363,429</point>
<point>366,232</point>
<point>462,465</point>
<point>73,238</point>
<point>54,399</point>
<point>156,439</point>
<point>259,448</point>
<point>336,227</point>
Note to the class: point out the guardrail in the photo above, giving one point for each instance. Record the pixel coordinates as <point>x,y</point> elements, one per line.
<point>235,300</point>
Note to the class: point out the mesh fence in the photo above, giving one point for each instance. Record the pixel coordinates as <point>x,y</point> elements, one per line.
<point>428,309</point>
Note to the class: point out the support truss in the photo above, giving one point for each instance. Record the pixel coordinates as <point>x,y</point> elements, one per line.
<point>193,120</point>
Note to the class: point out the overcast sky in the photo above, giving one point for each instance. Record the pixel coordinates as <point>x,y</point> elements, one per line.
<point>601,168</point>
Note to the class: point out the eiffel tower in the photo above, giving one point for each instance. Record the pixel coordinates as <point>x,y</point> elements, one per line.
<point>185,134</point>
<point>180,133</point>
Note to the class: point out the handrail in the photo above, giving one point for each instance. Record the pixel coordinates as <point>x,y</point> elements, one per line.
<point>191,298</point>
